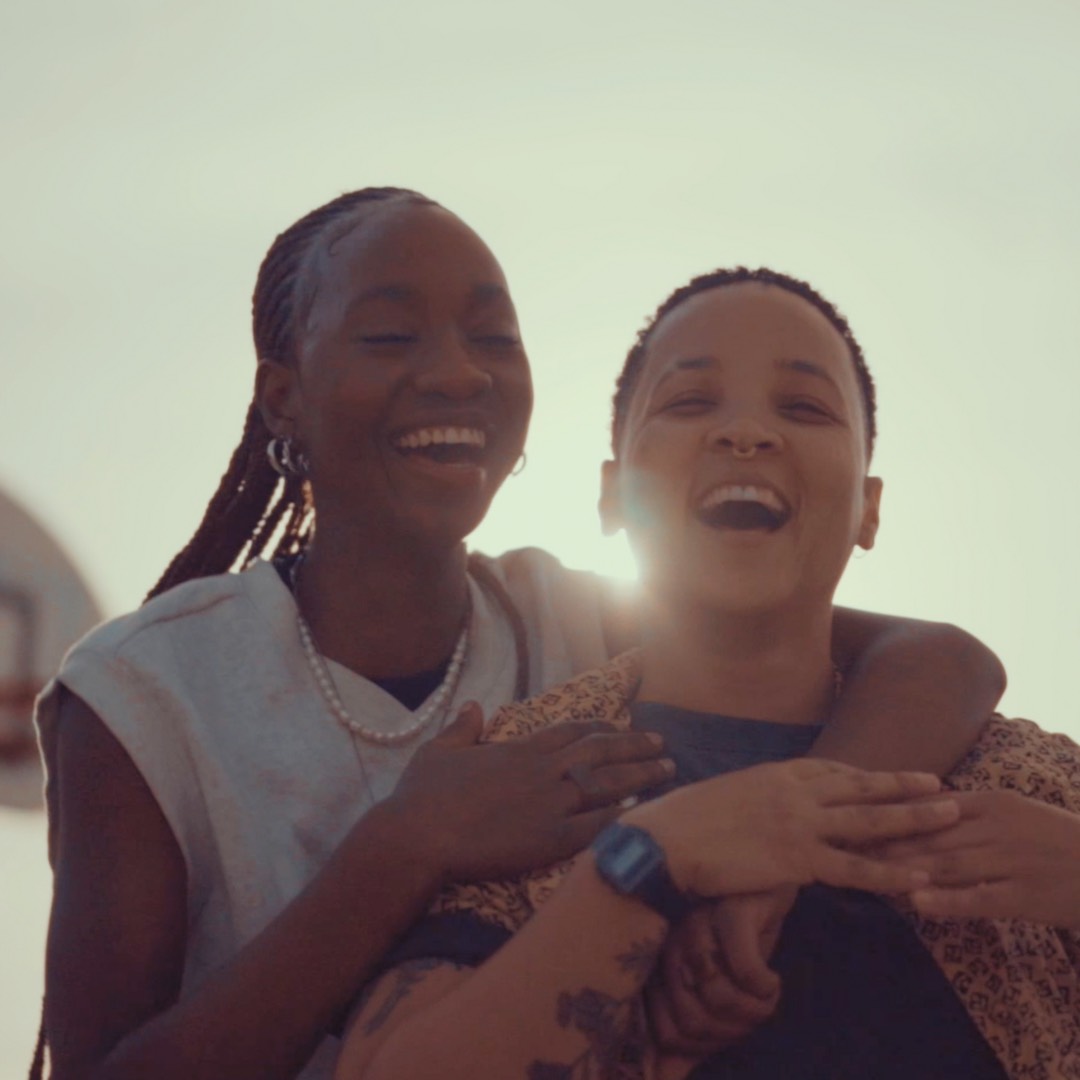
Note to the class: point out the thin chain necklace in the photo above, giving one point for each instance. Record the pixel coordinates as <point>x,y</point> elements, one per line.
<point>436,705</point>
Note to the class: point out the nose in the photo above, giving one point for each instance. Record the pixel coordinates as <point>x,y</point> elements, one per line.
<point>451,372</point>
<point>744,436</point>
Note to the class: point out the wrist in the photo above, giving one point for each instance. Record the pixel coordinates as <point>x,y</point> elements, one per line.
<point>652,818</point>
<point>634,864</point>
<point>411,852</point>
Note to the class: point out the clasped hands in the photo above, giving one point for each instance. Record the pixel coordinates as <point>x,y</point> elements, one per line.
<point>1008,856</point>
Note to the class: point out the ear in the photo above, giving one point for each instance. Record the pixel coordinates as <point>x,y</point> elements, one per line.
<point>610,506</point>
<point>276,392</point>
<point>871,515</point>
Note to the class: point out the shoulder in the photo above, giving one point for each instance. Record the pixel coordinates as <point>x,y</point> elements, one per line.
<point>579,617</point>
<point>600,694</point>
<point>194,615</point>
<point>1018,755</point>
<point>530,568</point>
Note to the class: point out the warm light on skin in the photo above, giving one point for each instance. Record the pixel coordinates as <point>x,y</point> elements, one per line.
<point>747,365</point>
<point>408,323</point>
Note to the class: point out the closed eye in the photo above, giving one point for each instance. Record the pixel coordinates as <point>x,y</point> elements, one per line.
<point>689,405</point>
<point>812,411</point>
<point>387,339</point>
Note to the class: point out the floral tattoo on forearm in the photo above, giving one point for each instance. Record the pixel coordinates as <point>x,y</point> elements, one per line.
<point>614,1027</point>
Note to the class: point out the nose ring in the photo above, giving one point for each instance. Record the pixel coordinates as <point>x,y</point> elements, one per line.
<point>743,453</point>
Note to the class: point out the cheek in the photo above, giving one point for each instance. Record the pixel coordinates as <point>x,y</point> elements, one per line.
<point>654,483</point>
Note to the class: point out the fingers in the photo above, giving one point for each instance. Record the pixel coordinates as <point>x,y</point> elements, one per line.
<point>605,767</point>
<point>834,786</point>
<point>962,869</point>
<point>699,1015</point>
<point>863,824</point>
<point>847,870</point>
<point>613,783</point>
<point>550,739</point>
<point>739,933</point>
<point>986,900</point>
<point>666,1029</point>
<point>612,748</point>
<point>466,728</point>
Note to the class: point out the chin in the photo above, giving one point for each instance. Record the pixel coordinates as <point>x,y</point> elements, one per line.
<point>446,527</point>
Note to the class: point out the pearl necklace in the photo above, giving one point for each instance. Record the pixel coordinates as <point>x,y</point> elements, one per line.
<point>437,704</point>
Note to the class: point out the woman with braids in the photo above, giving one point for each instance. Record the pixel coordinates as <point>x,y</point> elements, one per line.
<point>254,786</point>
<point>743,429</point>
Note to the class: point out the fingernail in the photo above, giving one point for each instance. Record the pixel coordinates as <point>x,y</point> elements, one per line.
<point>655,739</point>
<point>668,766</point>
<point>920,879</point>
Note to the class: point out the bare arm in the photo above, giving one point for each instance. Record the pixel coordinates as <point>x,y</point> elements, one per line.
<point>119,921</point>
<point>561,997</point>
<point>116,938</point>
<point>916,694</point>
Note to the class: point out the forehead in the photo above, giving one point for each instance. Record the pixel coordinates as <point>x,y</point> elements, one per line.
<point>749,327</point>
<point>748,321</point>
<point>398,249</point>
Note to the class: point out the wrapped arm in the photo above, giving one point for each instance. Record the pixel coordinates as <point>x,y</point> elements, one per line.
<point>562,997</point>
<point>916,694</point>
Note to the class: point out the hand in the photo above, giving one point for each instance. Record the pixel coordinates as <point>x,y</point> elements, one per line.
<point>792,823</point>
<point>713,985</point>
<point>1008,856</point>
<point>492,810</point>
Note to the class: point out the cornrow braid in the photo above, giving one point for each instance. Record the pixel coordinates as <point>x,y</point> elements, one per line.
<point>251,499</point>
<point>717,279</point>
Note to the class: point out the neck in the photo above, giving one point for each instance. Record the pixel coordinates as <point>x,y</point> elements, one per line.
<point>383,613</point>
<point>760,666</point>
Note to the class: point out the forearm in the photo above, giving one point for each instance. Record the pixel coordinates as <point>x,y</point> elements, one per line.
<point>915,694</point>
<point>267,1010</point>
<point>565,991</point>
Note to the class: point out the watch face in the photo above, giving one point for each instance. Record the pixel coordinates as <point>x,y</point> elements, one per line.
<point>631,860</point>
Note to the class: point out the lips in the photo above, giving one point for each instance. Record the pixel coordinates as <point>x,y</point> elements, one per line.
<point>744,507</point>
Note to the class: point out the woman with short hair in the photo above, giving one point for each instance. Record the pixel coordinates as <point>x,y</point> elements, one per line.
<point>743,429</point>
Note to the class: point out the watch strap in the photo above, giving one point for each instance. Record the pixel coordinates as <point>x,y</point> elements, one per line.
<point>631,861</point>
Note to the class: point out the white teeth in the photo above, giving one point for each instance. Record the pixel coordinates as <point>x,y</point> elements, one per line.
<point>441,436</point>
<point>743,493</point>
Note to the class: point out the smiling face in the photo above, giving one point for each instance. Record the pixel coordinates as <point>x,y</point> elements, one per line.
<point>411,392</point>
<point>741,470</point>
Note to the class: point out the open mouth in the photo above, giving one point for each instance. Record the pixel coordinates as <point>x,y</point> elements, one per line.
<point>743,508</point>
<point>443,445</point>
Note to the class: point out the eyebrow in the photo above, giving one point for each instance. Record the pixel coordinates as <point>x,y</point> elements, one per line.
<point>701,363</point>
<point>689,363</point>
<point>808,367</point>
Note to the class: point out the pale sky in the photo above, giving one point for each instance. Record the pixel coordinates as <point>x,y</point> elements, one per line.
<point>917,162</point>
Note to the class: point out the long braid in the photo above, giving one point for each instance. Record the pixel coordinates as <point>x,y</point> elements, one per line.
<point>243,515</point>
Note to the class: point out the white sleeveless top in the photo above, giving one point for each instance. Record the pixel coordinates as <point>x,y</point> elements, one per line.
<point>209,691</point>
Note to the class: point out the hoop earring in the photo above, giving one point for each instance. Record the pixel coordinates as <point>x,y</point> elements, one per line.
<point>285,459</point>
<point>519,468</point>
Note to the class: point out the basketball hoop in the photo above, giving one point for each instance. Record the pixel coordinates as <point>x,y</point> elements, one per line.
<point>44,607</point>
